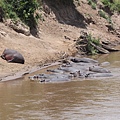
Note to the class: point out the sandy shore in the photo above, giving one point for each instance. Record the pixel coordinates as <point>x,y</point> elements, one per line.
<point>35,51</point>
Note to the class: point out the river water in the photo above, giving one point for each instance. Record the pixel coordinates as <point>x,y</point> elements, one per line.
<point>84,99</point>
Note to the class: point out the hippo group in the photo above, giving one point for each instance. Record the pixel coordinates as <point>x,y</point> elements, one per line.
<point>73,67</point>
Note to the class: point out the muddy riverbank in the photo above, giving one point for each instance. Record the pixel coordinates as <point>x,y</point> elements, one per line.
<point>58,34</point>
<point>84,67</point>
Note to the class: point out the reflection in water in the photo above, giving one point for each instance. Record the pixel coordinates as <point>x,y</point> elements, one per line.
<point>75,100</point>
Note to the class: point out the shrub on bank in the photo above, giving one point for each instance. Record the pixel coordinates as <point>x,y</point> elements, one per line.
<point>113,5</point>
<point>21,9</point>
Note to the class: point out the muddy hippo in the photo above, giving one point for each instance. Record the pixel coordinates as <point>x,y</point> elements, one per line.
<point>12,56</point>
<point>98,69</point>
<point>55,77</point>
<point>98,75</point>
<point>85,60</point>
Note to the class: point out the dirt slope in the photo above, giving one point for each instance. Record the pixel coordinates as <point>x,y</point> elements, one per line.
<point>57,34</point>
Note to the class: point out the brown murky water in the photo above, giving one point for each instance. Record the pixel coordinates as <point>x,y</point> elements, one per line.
<point>75,100</point>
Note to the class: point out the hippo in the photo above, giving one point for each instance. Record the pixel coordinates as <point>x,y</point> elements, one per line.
<point>55,77</point>
<point>98,69</point>
<point>98,75</point>
<point>12,56</point>
<point>85,60</point>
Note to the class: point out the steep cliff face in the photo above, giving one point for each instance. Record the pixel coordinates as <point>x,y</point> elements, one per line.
<point>60,26</point>
<point>66,12</point>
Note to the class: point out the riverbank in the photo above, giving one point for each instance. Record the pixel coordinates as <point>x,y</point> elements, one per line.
<point>57,36</point>
<point>35,51</point>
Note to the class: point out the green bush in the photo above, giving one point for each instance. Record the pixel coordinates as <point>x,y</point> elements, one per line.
<point>91,50</point>
<point>113,5</point>
<point>92,3</point>
<point>21,9</point>
<point>104,15</point>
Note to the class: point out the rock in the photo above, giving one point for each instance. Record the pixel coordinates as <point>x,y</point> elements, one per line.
<point>67,38</point>
<point>46,8</point>
<point>3,34</point>
<point>19,27</point>
<point>89,19</point>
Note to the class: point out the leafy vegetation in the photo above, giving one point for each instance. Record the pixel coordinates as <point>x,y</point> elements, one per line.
<point>92,3</point>
<point>92,50</point>
<point>21,9</point>
<point>113,5</point>
<point>88,44</point>
<point>104,15</point>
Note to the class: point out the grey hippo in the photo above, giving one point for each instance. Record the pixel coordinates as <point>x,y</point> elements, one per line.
<point>12,56</point>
